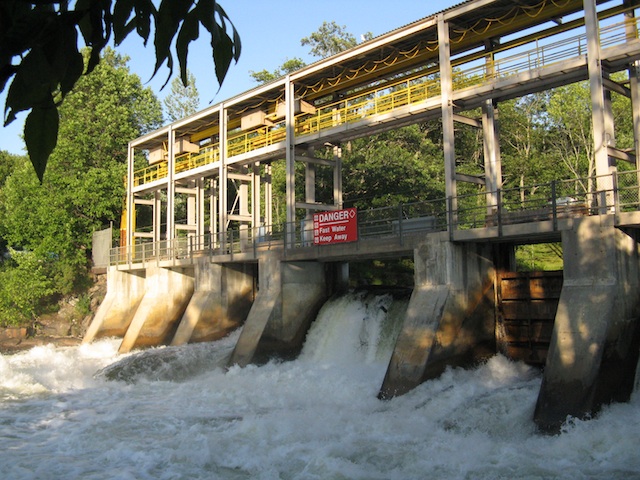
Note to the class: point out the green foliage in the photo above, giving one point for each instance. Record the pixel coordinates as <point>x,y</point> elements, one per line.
<point>25,284</point>
<point>183,100</point>
<point>83,307</point>
<point>289,65</point>
<point>83,188</point>
<point>539,257</point>
<point>329,39</point>
<point>399,166</point>
<point>44,37</point>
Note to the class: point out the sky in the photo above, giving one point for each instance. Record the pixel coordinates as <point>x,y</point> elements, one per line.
<point>270,33</point>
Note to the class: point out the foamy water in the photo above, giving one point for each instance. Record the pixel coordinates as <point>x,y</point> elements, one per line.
<point>180,415</point>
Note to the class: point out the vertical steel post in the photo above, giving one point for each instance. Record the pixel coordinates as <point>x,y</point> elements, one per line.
<point>601,117</point>
<point>448,132</point>
<point>290,163</point>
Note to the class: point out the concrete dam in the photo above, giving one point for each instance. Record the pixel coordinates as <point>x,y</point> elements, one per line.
<point>228,264</point>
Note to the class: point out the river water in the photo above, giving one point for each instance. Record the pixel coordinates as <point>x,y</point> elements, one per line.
<point>176,413</point>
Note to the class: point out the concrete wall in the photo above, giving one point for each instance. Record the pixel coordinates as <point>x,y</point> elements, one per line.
<point>594,347</point>
<point>124,293</point>
<point>450,319</point>
<point>167,293</point>
<point>289,297</point>
<point>220,303</point>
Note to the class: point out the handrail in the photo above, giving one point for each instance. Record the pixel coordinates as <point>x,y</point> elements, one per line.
<point>607,194</point>
<point>410,90</point>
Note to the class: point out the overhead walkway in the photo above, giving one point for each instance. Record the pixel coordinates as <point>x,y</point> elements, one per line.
<point>533,63</point>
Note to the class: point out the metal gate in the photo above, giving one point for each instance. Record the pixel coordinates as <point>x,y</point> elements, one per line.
<point>527,304</point>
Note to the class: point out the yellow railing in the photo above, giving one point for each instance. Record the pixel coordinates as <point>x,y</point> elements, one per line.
<point>376,102</point>
<point>150,174</point>
<point>207,155</point>
<point>468,72</point>
<point>250,140</point>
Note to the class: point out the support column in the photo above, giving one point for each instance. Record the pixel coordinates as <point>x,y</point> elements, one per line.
<point>634,86</point>
<point>157,217</point>
<point>337,177</point>
<point>290,165</point>
<point>171,188</point>
<point>492,160</point>
<point>268,198</point>
<point>450,319</point>
<point>601,117</point>
<point>596,337</point>
<point>448,132</point>
<point>223,209</point>
<point>256,198</point>
<point>130,207</point>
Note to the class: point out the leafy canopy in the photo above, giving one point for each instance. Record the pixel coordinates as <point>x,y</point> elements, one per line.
<point>41,61</point>
<point>183,100</point>
<point>52,223</point>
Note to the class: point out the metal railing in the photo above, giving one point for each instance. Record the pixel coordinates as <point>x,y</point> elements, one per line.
<point>610,194</point>
<point>468,72</point>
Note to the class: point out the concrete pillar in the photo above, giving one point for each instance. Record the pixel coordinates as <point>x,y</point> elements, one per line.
<point>594,347</point>
<point>448,131</point>
<point>450,319</point>
<point>289,297</point>
<point>223,295</point>
<point>125,290</point>
<point>167,293</point>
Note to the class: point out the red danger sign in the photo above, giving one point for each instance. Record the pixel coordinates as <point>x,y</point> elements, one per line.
<point>338,226</point>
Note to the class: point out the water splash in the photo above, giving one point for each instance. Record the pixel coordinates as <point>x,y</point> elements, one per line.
<point>313,418</point>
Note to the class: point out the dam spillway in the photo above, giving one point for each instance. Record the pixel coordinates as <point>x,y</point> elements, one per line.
<point>316,416</point>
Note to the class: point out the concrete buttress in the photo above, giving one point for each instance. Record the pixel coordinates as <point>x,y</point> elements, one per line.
<point>594,346</point>
<point>289,297</point>
<point>124,293</point>
<point>450,319</point>
<point>167,293</point>
<point>220,303</point>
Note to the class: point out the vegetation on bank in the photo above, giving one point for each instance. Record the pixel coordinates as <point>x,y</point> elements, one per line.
<point>45,229</point>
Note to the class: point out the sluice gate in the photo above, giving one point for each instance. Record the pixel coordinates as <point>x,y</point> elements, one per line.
<point>526,309</point>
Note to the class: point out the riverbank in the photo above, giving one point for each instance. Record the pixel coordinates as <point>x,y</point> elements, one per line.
<point>66,327</point>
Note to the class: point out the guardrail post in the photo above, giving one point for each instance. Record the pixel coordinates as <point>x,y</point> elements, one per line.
<point>499,198</point>
<point>554,207</point>
<point>450,217</point>
<point>616,196</point>
<point>400,233</point>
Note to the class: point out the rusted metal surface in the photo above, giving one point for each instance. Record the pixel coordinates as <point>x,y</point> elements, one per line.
<point>527,304</point>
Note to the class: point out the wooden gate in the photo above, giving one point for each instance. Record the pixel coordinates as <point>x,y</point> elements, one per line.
<point>527,304</point>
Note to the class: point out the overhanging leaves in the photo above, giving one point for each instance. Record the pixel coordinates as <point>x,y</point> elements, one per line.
<point>41,135</point>
<point>42,37</point>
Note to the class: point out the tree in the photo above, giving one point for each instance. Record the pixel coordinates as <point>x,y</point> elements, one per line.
<point>329,39</point>
<point>398,166</point>
<point>183,100</point>
<point>265,76</point>
<point>527,158</point>
<point>83,186</point>
<point>43,37</point>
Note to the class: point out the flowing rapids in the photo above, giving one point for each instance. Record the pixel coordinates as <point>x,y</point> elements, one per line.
<point>177,413</point>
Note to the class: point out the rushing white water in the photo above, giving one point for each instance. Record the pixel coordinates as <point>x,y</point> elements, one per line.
<point>175,413</point>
